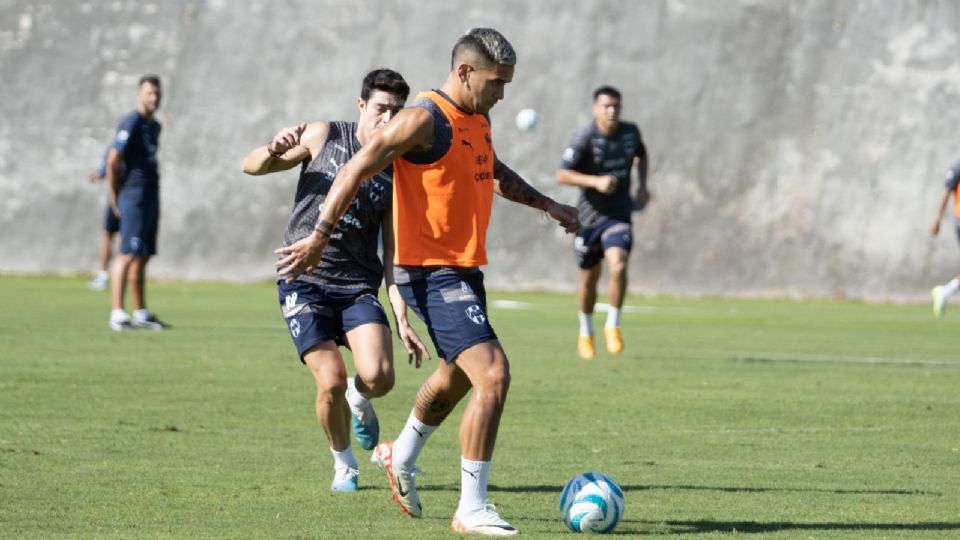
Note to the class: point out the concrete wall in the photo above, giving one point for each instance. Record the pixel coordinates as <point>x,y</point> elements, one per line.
<point>797,147</point>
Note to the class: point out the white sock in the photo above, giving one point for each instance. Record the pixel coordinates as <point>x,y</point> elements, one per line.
<point>409,443</point>
<point>951,287</point>
<point>586,323</point>
<point>142,314</point>
<point>613,317</point>
<point>344,458</point>
<point>473,485</point>
<point>118,315</point>
<point>355,398</point>
<point>103,275</point>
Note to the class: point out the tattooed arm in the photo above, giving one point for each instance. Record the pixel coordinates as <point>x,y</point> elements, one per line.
<point>509,185</point>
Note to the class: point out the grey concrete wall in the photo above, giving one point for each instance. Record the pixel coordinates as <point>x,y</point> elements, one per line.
<point>797,147</point>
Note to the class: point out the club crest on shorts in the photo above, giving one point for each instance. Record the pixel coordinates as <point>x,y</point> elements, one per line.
<point>475,313</point>
<point>294,328</point>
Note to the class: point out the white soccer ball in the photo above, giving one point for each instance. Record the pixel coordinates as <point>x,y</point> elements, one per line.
<point>527,119</point>
<point>591,502</point>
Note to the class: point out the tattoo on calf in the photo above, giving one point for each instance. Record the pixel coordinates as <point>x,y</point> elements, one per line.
<point>435,408</point>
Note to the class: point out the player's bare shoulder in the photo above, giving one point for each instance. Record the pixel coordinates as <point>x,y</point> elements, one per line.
<point>314,136</point>
<point>411,129</point>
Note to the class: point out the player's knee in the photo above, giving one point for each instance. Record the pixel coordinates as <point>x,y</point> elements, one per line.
<point>495,381</point>
<point>330,386</point>
<point>380,382</point>
<point>618,267</point>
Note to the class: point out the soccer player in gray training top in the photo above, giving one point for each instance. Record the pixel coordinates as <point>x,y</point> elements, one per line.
<point>598,161</point>
<point>133,179</point>
<point>942,293</point>
<point>337,303</point>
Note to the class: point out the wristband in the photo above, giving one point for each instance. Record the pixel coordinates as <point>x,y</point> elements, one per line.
<point>324,227</point>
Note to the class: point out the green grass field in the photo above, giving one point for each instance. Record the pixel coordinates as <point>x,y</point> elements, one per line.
<point>757,419</point>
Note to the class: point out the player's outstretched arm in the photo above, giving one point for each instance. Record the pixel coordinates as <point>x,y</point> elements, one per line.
<point>411,128</point>
<point>509,185</point>
<point>408,336</point>
<point>285,151</point>
<point>935,229</point>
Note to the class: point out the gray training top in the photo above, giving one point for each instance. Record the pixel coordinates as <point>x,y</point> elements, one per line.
<point>350,260</point>
<point>592,152</point>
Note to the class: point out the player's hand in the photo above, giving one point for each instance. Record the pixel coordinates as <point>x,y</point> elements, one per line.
<point>94,176</point>
<point>411,342</point>
<point>113,206</point>
<point>286,139</point>
<point>935,230</point>
<point>301,256</point>
<point>641,200</point>
<point>565,215</point>
<point>606,184</point>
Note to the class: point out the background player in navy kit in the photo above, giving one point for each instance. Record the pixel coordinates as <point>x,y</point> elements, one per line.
<point>337,302</point>
<point>942,293</point>
<point>111,226</point>
<point>133,178</point>
<point>598,161</point>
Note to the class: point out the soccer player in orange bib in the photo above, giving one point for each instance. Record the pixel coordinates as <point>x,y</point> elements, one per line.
<point>445,175</point>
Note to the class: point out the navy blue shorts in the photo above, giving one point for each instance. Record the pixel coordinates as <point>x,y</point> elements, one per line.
<point>315,313</point>
<point>453,304</point>
<point>111,223</point>
<point>591,242</point>
<point>139,220</point>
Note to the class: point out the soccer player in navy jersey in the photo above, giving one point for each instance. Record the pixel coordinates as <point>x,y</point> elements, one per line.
<point>133,179</point>
<point>111,226</point>
<point>598,161</point>
<point>336,303</point>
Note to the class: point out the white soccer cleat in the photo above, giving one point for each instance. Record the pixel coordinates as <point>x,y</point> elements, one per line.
<point>485,521</point>
<point>345,479</point>
<point>939,301</point>
<point>99,282</point>
<point>402,483</point>
<point>120,321</point>
<point>149,322</point>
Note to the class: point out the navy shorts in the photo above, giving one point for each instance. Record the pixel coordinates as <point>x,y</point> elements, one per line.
<point>314,313</point>
<point>111,223</point>
<point>591,242</point>
<point>139,220</point>
<point>453,304</point>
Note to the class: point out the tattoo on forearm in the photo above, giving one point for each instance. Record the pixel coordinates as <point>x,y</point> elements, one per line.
<point>514,188</point>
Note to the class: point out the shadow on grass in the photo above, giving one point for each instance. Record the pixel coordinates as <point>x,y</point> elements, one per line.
<point>708,526</point>
<point>639,487</point>
<point>635,526</point>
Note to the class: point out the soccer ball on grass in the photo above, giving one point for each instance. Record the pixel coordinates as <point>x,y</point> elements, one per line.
<point>591,502</point>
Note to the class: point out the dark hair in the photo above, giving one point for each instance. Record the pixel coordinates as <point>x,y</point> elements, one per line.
<point>385,80</point>
<point>606,90</point>
<point>488,43</point>
<point>149,78</point>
